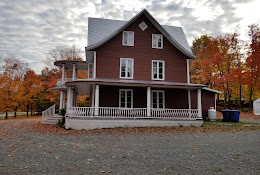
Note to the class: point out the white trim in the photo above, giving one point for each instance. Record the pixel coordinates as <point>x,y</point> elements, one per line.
<point>95,65</point>
<point>157,36</point>
<point>132,94</point>
<point>157,96</point>
<point>61,99</point>
<point>74,72</point>
<point>148,101</point>
<point>126,68</point>
<point>199,104</point>
<point>212,90</point>
<point>130,41</point>
<point>158,69</point>
<point>188,71</point>
<point>96,99</point>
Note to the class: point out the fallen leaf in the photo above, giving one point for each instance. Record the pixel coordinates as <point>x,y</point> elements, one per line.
<point>195,149</point>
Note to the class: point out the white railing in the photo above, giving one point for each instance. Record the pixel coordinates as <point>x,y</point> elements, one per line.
<point>65,80</point>
<point>175,113</point>
<point>48,113</point>
<point>80,111</point>
<point>122,112</point>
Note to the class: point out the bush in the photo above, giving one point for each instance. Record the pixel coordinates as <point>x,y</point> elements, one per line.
<point>61,122</point>
<point>62,112</point>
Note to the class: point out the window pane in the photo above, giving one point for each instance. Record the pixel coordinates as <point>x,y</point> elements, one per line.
<point>160,105</point>
<point>154,41</point>
<point>160,64</point>
<point>129,105</point>
<point>122,74</point>
<point>125,37</point>
<point>122,104</point>
<point>159,44</point>
<point>129,70</point>
<point>129,93</point>
<point>160,76</point>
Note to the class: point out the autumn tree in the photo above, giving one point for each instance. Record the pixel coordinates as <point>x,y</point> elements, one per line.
<point>12,74</point>
<point>253,61</point>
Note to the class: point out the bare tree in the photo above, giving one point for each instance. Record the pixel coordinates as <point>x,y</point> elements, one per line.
<point>63,53</point>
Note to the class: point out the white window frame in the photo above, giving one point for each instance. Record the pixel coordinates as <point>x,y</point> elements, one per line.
<point>126,59</point>
<point>163,62</point>
<point>163,92</point>
<point>132,95</point>
<point>157,36</point>
<point>130,42</point>
<point>89,65</point>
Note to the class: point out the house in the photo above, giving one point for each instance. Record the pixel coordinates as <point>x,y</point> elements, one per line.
<point>137,75</point>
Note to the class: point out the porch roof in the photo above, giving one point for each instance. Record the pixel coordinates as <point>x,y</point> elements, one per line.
<point>82,65</point>
<point>141,83</point>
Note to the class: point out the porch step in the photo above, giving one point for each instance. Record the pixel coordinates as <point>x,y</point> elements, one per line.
<point>53,120</point>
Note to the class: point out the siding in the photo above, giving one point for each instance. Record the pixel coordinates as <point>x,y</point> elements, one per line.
<point>109,54</point>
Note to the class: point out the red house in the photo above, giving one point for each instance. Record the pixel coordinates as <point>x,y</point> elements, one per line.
<point>138,75</point>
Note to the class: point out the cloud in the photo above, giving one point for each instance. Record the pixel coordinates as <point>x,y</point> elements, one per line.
<point>29,29</point>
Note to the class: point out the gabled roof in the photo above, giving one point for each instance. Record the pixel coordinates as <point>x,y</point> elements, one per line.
<point>102,30</point>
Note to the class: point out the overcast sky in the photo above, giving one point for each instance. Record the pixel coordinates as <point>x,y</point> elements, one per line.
<point>30,28</point>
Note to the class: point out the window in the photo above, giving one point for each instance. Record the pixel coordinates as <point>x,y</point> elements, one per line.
<point>126,98</point>
<point>90,70</point>
<point>157,41</point>
<point>126,68</point>
<point>157,70</point>
<point>128,38</point>
<point>158,99</point>
<point>143,26</point>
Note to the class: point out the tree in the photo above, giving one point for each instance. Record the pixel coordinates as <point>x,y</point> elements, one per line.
<point>63,53</point>
<point>12,75</point>
<point>253,61</point>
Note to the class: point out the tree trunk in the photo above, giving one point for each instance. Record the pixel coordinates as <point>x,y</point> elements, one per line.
<point>240,96</point>
<point>31,109</point>
<point>6,115</point>
<point>250,99</point>
<point>27,110</point>
<point>15,110</point>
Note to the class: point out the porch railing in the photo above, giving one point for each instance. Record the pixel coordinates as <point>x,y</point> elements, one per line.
<point>175,113</point>
<point>80,111</point>
<point>59,81</point>
<point>48,113</point>
<point>122,112</point>
<point>113,112</point>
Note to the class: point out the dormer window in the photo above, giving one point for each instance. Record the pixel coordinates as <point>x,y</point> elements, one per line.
<point>128,38</point>
<point>157,41</point>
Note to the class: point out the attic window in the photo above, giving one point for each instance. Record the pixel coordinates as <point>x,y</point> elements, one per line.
<point>143,25</point>
<point>128,38</point>
<point>157,41</point>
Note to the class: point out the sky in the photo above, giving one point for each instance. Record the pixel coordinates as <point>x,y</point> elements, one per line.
<point>29,29</point>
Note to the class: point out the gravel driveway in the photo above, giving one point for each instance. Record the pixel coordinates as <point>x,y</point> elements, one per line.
<point>24,152</point>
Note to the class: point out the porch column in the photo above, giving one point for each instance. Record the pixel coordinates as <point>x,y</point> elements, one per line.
<point>63,74</point>
<point>199,104</point>
<point>189,102</point>
<point>93,96</point>
<point>68,97</point>
<point>148,101</point>
<point>64,100</point>
<point>72,98</point>
<point>96,99</point>
<point>61,99</point>
<point>74,72</point>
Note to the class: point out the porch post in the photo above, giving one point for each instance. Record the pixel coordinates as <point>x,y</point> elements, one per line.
<point>64,100</point>
<point>199,104</point>
<point>72,98</point>
<point>148,101</point>
<point>95,65</point>
<point>63,74</point>
<point>93,96</point>
<point>68,97</point>
<point>61,99</point>
<point>74,72</point>
<point>96,99</point>
<point>189,102</point>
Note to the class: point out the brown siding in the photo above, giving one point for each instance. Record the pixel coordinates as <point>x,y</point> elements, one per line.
<point>109,54</point>
<point>207,100</point>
